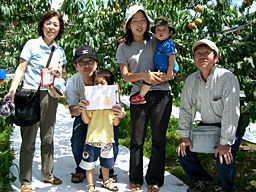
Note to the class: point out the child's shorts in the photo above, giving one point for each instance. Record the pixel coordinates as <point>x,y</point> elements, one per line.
<point>92,153</point>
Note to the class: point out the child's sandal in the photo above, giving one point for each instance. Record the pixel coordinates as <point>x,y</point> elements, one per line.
<point>109,185</point>
<point>90,188</point>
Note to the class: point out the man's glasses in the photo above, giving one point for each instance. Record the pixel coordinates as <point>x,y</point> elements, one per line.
<point>86,63</point>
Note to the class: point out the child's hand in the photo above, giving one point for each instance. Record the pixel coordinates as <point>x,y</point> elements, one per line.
<point>170,73</point>
<point>160,74</point>
<point>83,104</point>
<point>168,76</point>
<point>118,111</point>
<point>154,78</point>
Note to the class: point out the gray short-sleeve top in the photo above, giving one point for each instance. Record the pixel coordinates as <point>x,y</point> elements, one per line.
<point>139,58</point>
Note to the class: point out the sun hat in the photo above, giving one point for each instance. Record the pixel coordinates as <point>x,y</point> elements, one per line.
<point>207,42</point>
<point>134,9</point>
<point>85,51</point>
<point>58,89</point>
<point>163,21</point>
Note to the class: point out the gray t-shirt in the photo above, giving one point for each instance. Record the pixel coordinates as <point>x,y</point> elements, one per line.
<point>139,58</point>
<point>74,90</point>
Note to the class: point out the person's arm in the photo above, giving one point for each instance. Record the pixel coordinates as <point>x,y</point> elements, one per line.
<point>73,97</point>
<point>116,121</point>
<point>85,117</point>
<point>185,114</point>
<point>170,74</point>
<point>17,79</point>
<point>149,77</point>
<point>74,110</point>
<point>231,110</point>
<point>84,113</point>
<point>185,118</point>
<point>170,50</point>
<point>229,118</point>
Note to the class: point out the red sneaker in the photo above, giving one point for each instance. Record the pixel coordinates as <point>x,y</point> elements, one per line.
<point>137,100</point>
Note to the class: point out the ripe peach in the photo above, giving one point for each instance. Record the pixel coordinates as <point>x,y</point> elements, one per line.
<point>199,8</point>
<point>192,25</point>
<point>198,21</point>
<point>117,6</point>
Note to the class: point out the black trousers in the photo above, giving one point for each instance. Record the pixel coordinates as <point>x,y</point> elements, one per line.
<point>157,111</point>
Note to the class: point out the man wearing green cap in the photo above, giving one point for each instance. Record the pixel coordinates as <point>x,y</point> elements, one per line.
<point>164,55</point>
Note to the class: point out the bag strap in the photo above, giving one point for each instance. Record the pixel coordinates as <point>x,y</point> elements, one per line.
<point>194,100</point>
<point>48,62</point>
<point>50,57</point>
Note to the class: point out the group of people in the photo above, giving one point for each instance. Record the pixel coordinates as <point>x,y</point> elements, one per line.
<point>148,62</point>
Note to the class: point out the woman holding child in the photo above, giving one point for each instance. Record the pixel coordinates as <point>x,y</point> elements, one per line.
<point>135,58</point>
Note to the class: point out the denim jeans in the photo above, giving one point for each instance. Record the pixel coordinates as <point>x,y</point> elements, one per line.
<point>157,110</point>
<point>225,173</point>
<point>78,139</point>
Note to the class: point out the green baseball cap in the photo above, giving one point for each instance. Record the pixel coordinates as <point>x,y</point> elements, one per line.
<point>163,21</point>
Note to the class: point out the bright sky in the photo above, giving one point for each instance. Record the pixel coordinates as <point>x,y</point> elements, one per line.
<point>56,4</point>
<point>237,2</point>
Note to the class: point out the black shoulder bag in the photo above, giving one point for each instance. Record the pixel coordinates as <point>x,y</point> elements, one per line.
<point>27,104</point>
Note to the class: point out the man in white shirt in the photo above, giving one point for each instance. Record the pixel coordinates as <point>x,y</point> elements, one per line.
<point>218,102</point>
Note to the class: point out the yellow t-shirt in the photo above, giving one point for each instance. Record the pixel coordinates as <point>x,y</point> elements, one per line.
<point>100,128</point>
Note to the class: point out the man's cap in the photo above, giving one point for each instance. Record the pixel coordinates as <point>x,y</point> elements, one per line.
<point>207,42</point>
<point>85,51</point>
<point>163,21</point>
<point>134,9</point>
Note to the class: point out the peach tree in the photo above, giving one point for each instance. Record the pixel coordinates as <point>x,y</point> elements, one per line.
<point>100,24</point>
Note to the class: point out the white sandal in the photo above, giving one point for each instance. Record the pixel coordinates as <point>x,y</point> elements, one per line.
<point>90,188</point>
<point>108,184</point>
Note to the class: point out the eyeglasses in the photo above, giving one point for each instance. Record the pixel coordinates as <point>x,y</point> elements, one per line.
<point>138,21</point>
<point>86,63</point>
<point>202,54</point>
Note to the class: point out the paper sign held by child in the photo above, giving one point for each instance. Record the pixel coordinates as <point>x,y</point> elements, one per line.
<point>101,97</point>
